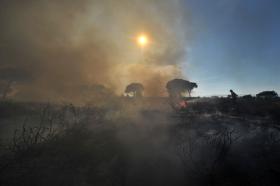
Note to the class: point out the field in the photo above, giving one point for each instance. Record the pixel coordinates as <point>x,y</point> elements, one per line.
<point>214,141</point>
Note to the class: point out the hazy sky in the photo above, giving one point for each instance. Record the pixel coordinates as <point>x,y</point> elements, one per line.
<point>235,45</point>
<point>57,49</point>
<point>51,49</point>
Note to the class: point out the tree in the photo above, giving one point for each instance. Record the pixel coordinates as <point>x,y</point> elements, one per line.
<point>9,78</point>
<point>177,87</point>
<point>134,90</point>
<point>267,94</point>
<point>5,88</point>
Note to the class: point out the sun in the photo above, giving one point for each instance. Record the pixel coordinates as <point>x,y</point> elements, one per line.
<point>142,40</point>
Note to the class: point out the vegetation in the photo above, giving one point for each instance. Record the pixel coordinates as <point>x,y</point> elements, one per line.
<point>177,87</point>
<point>134,90</point>
<point>267,94</point>
<point>213,142</point>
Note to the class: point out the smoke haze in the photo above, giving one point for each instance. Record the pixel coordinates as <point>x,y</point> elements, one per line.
<point>51,48</point>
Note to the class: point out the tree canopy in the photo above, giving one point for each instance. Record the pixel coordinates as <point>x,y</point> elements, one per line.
<point>134,90</point>
<point>176,87</point>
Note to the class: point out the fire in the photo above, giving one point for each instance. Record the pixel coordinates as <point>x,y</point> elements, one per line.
<point>179,104</point>
<point>183,104</point>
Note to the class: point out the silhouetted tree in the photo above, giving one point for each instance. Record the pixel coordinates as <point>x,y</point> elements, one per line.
<point>9,78</point>
<point>134,89</point>
<point>5,88</point>
<point>233,95</point>
<point>267,94</point>
<point>176,87</point>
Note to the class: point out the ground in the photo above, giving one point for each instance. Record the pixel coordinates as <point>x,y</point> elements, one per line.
<point>214,141</point>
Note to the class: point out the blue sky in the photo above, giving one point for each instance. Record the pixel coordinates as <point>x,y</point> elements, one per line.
<point>234,45</point>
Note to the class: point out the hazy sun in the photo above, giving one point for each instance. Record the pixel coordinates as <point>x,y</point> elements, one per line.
<point>142,40</point>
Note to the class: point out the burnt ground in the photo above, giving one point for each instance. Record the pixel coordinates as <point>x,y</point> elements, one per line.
<point>141,142</point>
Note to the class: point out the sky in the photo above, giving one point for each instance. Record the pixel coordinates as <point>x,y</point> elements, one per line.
<point>54,50</point>
<point>235,45</point>
<point>64,50</point>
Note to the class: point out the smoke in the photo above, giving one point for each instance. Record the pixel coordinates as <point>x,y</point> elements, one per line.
<point>59,46</point>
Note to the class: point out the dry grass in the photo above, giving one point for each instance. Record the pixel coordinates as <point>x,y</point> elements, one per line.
<point>142,142</point>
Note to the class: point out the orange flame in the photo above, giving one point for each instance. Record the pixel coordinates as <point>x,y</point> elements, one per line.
<point>183,104</point>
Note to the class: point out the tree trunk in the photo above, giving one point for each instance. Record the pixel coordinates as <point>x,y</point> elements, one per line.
<point>6,90</point>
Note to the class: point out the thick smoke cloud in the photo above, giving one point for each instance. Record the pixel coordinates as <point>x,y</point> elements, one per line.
<point>57,46</point>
